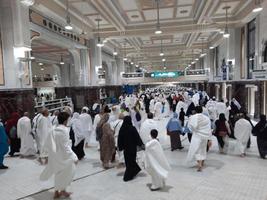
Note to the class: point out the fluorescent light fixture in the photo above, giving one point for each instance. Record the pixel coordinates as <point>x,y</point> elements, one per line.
<point>196,59</point>
<point>226,35</point>
<point>41,64</point>
<point>158,32</point>
<point>163,59</point>
<point>136,66</point>
<point>132,63</point>
<point>32,57</point>
<point>212,47</point>
<point>258,9</point>
<point>125,59</point>
<point>99,43</point>
<point>161,54</point>
<point>62,63</point>
<point>68,27</point>
<point>221,31</point>
<point>203,54</point>
<point>115,53</point>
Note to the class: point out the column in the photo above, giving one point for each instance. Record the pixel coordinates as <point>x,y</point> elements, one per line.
<point>217,91</point>
<point>85,66</point>
<point>251,98</point>
<point>120,69</point>
<point>15,33</point>
<point>224,93</point>
<point>96,62</point>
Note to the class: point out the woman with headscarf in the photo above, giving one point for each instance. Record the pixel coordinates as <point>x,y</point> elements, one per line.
<point>105,136</point>
<point>221,131</point>
<point>11,129</point>
<point>128,141</point>
<point>76,135</point>
<point>174,129</point>
<point>260,130</point>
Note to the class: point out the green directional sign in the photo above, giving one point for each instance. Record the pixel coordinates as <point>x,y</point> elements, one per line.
<point>164,74</point>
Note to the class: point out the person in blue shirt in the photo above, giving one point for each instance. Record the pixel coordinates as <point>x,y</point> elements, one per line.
<point>174,129</point>
<point>4,146</point>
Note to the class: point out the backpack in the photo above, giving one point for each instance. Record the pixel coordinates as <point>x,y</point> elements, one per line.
<point>13,132</point>
<point>138,116</point>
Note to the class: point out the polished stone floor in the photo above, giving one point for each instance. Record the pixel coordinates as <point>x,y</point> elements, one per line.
<point>225,177</point>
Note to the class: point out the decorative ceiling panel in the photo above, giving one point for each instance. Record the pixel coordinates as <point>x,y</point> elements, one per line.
<point>164,13</point>
<point>134,16</point>
<point>183,12</point>
<point>84,8</point>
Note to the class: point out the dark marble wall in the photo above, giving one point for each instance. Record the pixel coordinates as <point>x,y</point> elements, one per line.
<point>16,101</point>
<point>240,92</point>
<point>82,96</point>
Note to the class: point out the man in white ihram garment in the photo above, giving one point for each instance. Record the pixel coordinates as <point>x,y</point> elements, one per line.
<point>221,108</point>
<point>242,133</point>
<point>61,159</point>
<point>157,110</point>
<point>146,127</point>
<point>200,126</point>
<point>43,129</point>
<point>25,134</point>
<point>87,125</point>
<point>156,163</point>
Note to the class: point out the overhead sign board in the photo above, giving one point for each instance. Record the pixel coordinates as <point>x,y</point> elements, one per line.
<point>164,74</point>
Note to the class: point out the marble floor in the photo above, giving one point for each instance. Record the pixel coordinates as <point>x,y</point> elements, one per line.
<point>225,177</point>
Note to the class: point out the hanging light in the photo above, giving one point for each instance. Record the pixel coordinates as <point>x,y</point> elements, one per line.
<point>61,60</point>
<point>211,47</point>
<point>226,33</point>
<point>99,43</point>
<point>136,65</point>
<point>158,30</point>
<point>68,25</point>
<point>125,58</point>
<point>258,6</point>
<point>196,59</point>
<point>202,51</point>
<point>163,59</point>
<point>161,49</point>
<point>41,64</point>
<point>132,63</point>
<point>115,52</point>
<point>42,69</point>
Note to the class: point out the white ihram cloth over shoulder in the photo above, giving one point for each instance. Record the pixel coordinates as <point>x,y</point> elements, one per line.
<point>24,133</point>
<point>43,130</point>
<point>76,125</point>
<point>242,133</point>
<point>156,163</point>
<point>146,128</point>
<point>200,126</point>
<point>61,158</point>
<point>87,126</point>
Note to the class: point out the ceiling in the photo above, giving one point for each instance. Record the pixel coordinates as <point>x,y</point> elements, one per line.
<point>188,25</point>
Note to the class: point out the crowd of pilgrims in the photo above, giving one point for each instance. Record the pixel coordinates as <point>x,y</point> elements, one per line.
<point>131,126</point>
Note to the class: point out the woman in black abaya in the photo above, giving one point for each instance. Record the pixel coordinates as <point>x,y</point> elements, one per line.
<point>128,141</point>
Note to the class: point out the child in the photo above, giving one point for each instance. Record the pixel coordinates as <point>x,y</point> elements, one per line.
<point>156,163</point>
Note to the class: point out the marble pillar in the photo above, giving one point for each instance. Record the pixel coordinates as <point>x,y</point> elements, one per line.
<point>15,32</point>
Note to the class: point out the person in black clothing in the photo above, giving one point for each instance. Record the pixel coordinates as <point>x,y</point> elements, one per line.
<point>190,109</point>
<point>147,102</point>
<point>181,116</point>
<point>128,141</point>
<point>260,130</point>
